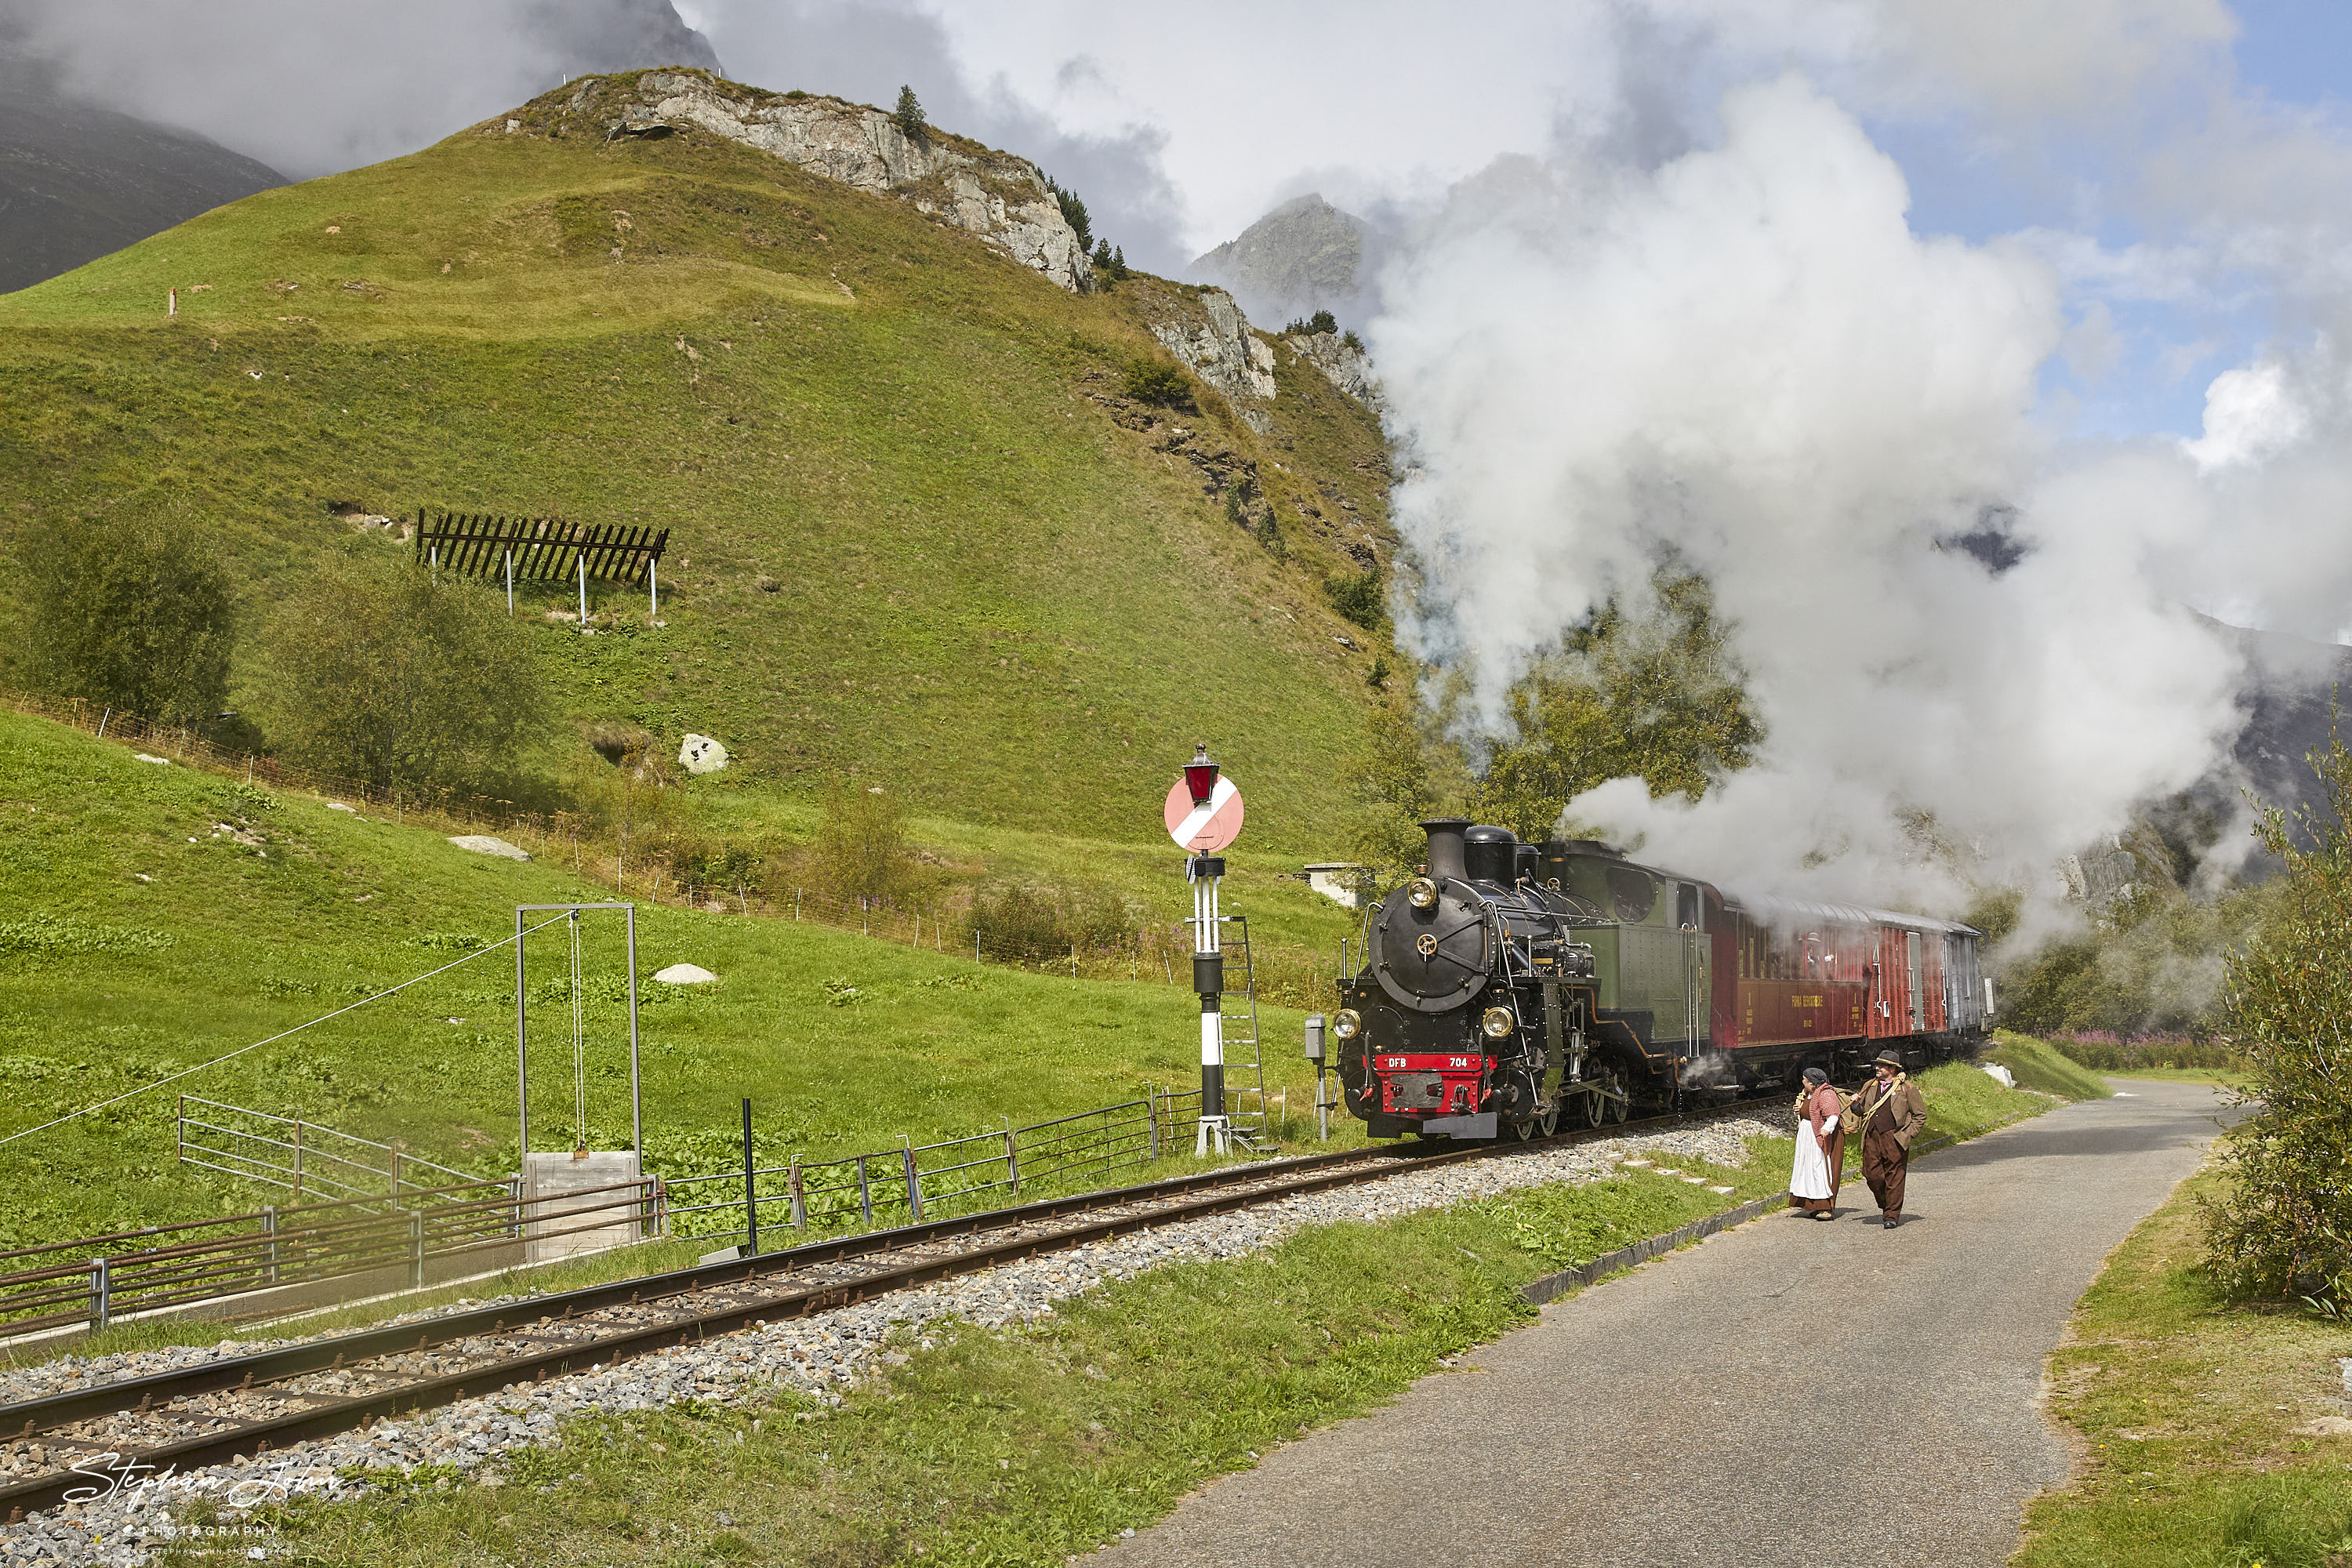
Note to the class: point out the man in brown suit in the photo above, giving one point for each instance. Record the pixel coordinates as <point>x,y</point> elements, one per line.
<point>1892,1113</point>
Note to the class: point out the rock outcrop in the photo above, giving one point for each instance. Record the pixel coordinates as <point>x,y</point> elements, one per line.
<point>998,196</point>
<point>1346,364</point>
<point>1218,346</point>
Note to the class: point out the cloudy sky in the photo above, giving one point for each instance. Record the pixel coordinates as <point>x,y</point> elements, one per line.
<point>1799,291</point>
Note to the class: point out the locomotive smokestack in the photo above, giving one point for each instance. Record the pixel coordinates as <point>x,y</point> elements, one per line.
<point>1446,848</point>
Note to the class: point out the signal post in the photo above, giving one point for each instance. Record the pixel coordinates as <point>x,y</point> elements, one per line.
<point>1204,815</point>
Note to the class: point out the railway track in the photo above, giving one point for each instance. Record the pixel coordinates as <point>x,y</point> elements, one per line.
<point>190,1417</point>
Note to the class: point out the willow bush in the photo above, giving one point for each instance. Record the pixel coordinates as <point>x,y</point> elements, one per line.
<point>2284,1224</point>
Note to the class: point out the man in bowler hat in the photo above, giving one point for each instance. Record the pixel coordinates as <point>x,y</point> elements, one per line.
<point>1892,1113</point>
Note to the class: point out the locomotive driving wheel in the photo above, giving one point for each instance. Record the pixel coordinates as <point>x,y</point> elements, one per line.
<point>1618,1098</point>
<point>1596,1108</point>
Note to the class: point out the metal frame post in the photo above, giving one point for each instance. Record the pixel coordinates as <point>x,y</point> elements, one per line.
<point>511,581</point>
<point>1011,1162</point>
<point>750,1201</point>
<point>914,1186</point>
<point>653,589</point>
<point>269,1229</point>
<point>101,1293</point>
<point>416,1250</point>
<point>523,1058</point>
<point>636,1093</point>
<point>298,1157</point>
<point>584,593</point>
<point>865,1194</point>
<point>800,1206</point>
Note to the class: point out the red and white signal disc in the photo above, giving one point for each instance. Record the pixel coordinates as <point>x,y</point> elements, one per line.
<point>1204,829</point>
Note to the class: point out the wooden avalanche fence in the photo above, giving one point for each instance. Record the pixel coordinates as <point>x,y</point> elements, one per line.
<point>537,549</point>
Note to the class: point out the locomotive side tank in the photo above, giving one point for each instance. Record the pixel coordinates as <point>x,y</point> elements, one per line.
<point>1507,986</point>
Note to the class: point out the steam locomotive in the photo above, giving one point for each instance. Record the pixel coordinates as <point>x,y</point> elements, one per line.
<point>1507,987</point>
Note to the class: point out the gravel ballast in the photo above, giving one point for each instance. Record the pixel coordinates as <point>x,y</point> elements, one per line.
<point>819,1354</point>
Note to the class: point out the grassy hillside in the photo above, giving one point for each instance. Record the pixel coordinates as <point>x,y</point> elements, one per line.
<point>136,939</point>
<point>912,539</point>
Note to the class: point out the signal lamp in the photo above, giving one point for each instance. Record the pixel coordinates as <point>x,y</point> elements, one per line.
<point>1421,891</point>
<point>1346,1022</point>
<point>1201,776</point>
<point>1498,1023</point>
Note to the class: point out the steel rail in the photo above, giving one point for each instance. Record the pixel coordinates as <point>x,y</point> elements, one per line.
<point>1028,1230</point>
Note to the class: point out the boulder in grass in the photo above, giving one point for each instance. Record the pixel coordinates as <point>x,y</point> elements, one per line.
<point>1998,1074</point>
<point>685,974</point>
<point>701,754</point>
<point>483,844</point>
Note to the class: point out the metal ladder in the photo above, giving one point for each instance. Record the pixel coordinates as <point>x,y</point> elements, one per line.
<point>1245,1063</point>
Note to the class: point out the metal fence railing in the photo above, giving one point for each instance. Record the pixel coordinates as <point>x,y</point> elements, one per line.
<point>913,1182</point>
<point>383,1219</point>
<point>304,1158</point>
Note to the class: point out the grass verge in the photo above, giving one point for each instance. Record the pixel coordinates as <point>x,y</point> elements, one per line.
<point>2212,1434</point>
<point>2035,1064</point>
<point>1027,1447</point>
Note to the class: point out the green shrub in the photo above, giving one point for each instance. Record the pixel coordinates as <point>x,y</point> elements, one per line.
<point>1158,381</point>
<point>1351,339</point>
<point>129,612</point>
<point>1018,924</point>
<point>2284,1224</point>
<point>1358,597</point>
<point>1269,533</point>
<point>1310,326</point>
<point>400,676</point>
<point>861,844</point>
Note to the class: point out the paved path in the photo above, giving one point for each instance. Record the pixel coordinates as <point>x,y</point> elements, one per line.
<point>1744,1402</point>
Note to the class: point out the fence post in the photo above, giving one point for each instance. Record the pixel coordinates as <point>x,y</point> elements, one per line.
<point>799,1208</point>
<point>102,1292</point>
<point>1013,1162</point>
<point>914,1186</point>
<point>1151,1118</point>
<point>751,1203</point>
<point>416,1250</point>
<point>297,1159</point>
<point>269,1229</point>
<point>865,1194</point>
<point>395,1176</point>
<point>180,1133</point>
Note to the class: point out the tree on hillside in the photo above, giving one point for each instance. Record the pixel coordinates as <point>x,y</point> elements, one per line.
<point>908,115</point>
<point>129,611</point>
<point>1656,697</point>
<point>1073,213</point>
<point>2284,1223</point>
<point>396,676</point>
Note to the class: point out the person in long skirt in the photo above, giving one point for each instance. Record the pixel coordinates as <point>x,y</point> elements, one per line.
<point>1821,1148</point>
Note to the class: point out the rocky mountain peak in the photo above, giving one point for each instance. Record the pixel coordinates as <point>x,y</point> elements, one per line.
<point>1304,256</point>
<point>998,196</point>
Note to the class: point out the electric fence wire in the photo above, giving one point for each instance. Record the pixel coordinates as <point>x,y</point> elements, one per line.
<point>378,997</point>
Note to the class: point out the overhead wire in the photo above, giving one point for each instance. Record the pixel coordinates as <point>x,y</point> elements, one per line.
<point>377,997</point>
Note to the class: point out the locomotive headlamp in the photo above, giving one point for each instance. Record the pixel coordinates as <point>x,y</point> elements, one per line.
<point>1498,1023</point>
<point>1421,891</point>
<point>1346,1022</point>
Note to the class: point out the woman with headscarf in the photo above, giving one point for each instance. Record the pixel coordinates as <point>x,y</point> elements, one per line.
<point>1821,1148</point>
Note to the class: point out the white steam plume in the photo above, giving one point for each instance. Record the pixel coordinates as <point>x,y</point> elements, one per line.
<point>1745,356</point>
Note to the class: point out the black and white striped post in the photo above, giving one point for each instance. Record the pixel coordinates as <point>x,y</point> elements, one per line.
<point>1204,815</point>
